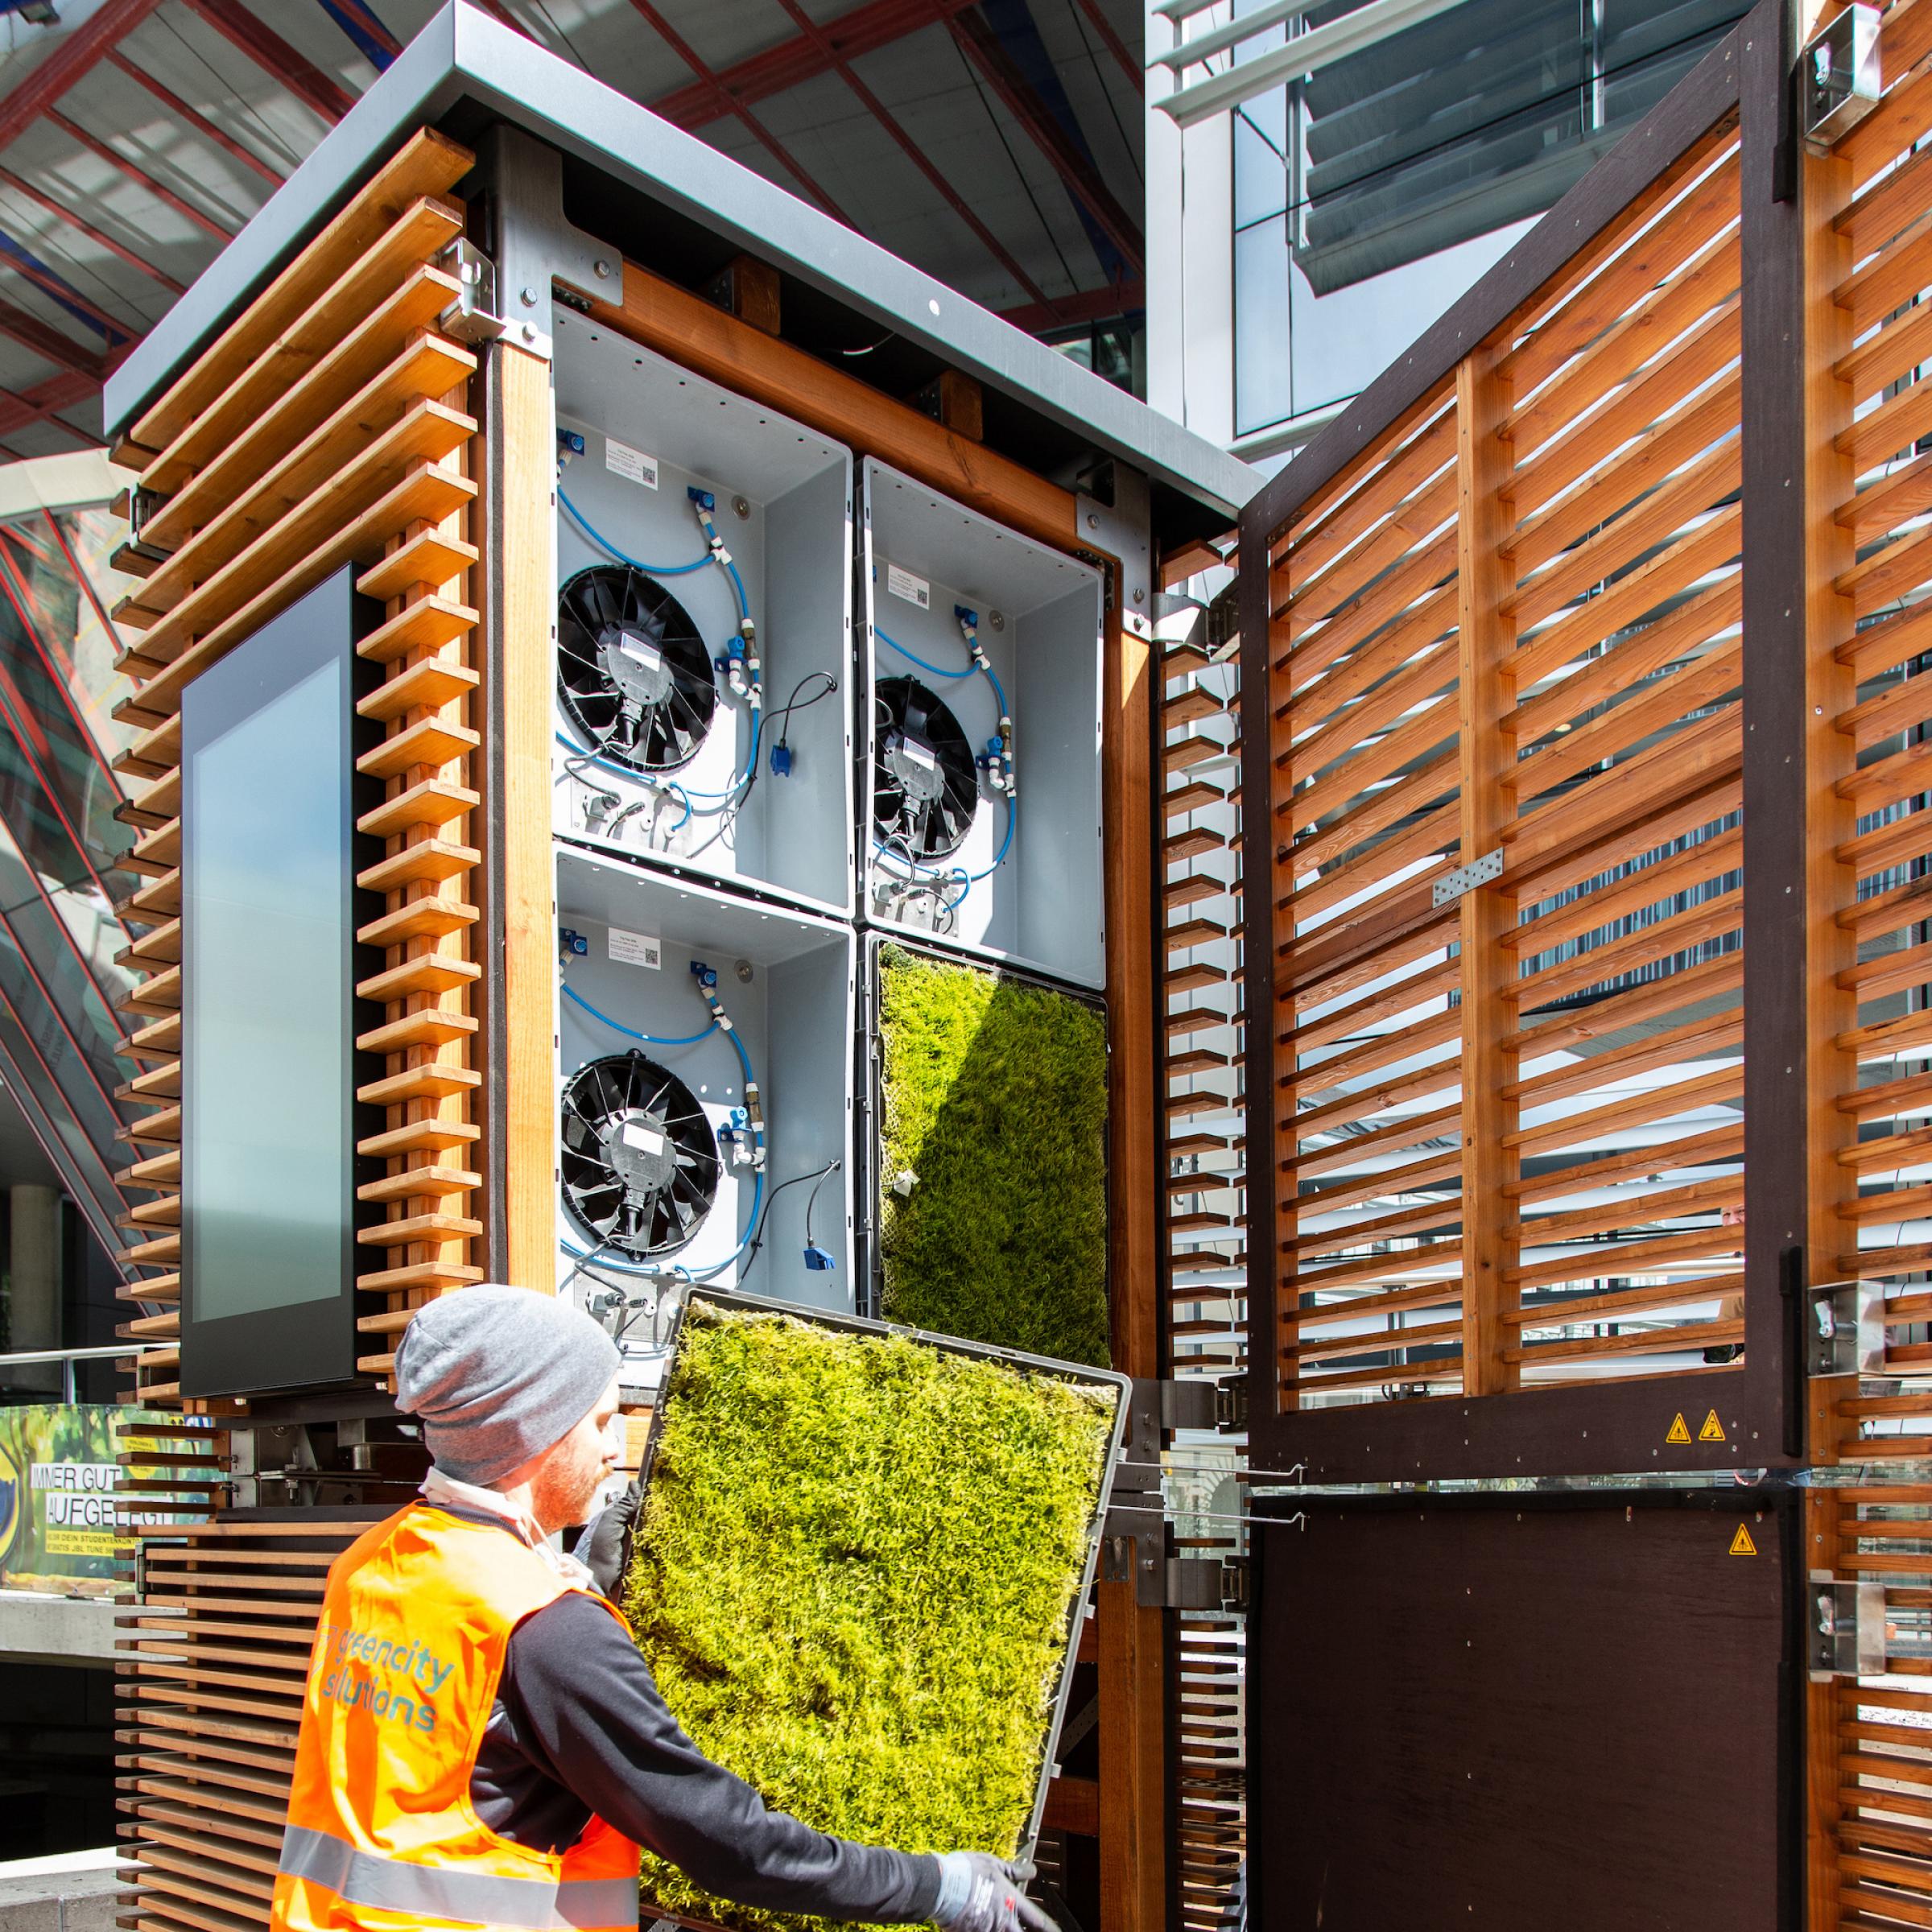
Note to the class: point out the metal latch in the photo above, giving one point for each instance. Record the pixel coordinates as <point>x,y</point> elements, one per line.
<point>1845,1330</point>
<point>1466,878</point>
<point>1224,624</point>
<point>1839,80</point>
<point>1844,1628</point>
<point>1207,1582</point>
<point>474,316</point>
<point>1198,1403</point>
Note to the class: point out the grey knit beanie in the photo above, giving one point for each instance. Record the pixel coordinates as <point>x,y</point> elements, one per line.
<point>497,1375</point>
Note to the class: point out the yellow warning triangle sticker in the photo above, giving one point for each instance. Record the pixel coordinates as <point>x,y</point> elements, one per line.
<point>1679,1431</point>
<point>1713,1430</point>
<point>1741,1544</point>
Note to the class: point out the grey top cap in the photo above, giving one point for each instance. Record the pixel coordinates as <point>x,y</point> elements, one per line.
<point>463,55</point>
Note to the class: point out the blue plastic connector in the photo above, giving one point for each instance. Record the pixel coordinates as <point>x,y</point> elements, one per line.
<point>705,976</point>
<point>818,1261</point>
<point>781,760</point>
<point>568,440</point>
<point>573,941</point>
<point>966,616</point>
<point>702,498</point>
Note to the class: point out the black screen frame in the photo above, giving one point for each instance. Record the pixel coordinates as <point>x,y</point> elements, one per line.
<point>311,1344</point>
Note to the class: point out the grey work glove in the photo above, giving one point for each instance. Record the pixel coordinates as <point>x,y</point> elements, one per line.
<point>979,1893</point>
<point>604,1549</point>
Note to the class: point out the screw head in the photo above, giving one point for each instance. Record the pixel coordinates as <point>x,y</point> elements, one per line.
<point>529,332</point>
<point>1140,596</point>
<point>601,270</point>
<point>1093,522</point>
<point>527,296</point>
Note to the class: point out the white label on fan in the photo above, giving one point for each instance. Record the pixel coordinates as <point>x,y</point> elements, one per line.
<point>918,753</point>
<point>641,1138</point>
<point>635,948</point>
<point>903,584</point>
<point>642,653</point>
<point>631,462</point>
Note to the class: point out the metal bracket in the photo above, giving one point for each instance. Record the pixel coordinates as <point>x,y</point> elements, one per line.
<point>1466,878</point>
<point>1198,1403</point>
<point>474,316</point>
<point>1224,624</point>
<point>1838,80</point>
<point>1207,1582</point>
<point>539,253</point>
<point>1845,1333</point>
<point>1844,1628</point>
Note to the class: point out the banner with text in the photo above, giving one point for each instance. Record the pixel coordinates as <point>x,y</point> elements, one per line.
<point>59,1473</point>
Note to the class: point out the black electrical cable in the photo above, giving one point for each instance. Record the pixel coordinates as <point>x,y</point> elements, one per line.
<point>757,1238</point>
<point>811,1201</point>
<point>792,704</point>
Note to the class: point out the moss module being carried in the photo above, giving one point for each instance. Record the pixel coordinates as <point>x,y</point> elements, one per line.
<point>855,1576</point>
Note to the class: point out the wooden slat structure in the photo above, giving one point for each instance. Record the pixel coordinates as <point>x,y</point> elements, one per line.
<point>1585,698</point>
<point>1205,1259</point>
<point>329,424</point>
<point>1512,636</point>
<point>213,1655</point>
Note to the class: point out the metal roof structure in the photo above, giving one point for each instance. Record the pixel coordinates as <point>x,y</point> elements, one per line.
<point>993,144</point>
<point>465,68</point>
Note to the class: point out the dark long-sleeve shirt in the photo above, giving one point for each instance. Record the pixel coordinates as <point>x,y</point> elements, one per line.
<point>579,1729</point>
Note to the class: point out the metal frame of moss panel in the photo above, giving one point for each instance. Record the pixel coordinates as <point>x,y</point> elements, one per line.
<point>1602,1429</point>
<point>1078,1373</point>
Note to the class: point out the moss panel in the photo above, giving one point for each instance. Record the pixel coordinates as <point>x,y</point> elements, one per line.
<point>995,1097</point>
<point>854,1576</point>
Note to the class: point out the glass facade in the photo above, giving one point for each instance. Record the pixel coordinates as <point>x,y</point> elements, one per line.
<point>1369,195</point>
<point>63,871</point>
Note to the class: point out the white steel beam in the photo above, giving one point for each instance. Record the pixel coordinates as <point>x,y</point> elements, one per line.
<point>1307,54</point>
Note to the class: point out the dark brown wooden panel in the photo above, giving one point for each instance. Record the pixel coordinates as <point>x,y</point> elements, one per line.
<point>1518,1712</point>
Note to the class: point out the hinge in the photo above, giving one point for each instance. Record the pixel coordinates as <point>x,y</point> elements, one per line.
<point>1838,82</point>
<point>1844,1628</point>
<point>1466,878</point>
<point>1224,624</point>
<point>1207,1582</point>
<point>474,315</point>
<point>1845,1333</point>
<point>1198,1403</point>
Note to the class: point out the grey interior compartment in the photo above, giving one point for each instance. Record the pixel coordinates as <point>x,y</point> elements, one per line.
<point>1039,616</point>
<point>794,1015</point>
<point>792,545</point>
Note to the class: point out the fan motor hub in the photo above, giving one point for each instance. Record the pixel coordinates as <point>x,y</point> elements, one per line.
<point>634,665</point>
<point>915,766</point>
<point>640,1152</point>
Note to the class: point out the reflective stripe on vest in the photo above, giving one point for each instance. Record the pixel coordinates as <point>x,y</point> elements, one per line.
<point>479,1898</point>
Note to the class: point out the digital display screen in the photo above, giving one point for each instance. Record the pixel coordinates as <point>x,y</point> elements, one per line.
<point>269,1018</point>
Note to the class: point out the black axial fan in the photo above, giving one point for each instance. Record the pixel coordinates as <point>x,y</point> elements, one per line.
<point>640,1163</point>
<point>923,788</point>
<point>632,670</point>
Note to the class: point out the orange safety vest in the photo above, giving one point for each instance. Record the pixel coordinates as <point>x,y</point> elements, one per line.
<point>381,1835</point>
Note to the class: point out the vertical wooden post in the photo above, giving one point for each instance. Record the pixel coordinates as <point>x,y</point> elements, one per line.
<point>1830,821</point>
<point>1486,693</point>
<point>521,963</point>
<point>1793,821</point>
<point>1132,1664</point>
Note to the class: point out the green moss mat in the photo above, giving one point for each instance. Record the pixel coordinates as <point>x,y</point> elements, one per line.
<point>853,1576</point>
<point>995,1096</point>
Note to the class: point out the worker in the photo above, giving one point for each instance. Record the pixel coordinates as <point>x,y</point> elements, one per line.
<point>481,1742</point>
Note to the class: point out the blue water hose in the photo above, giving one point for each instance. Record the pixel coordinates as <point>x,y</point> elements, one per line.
<point>604,543</point>
<point>630,1033</point>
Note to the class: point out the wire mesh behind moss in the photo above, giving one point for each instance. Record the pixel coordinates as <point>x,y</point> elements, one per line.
<point>994,1094</point>
<point>853,1579</point>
